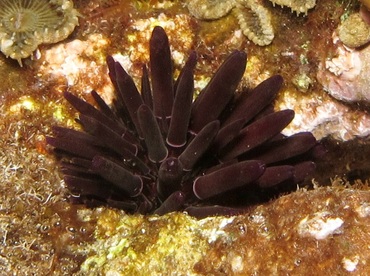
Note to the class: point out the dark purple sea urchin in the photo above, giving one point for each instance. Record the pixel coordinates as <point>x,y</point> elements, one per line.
<point>158,151</point>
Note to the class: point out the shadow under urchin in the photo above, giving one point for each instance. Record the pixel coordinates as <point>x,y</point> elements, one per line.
<point>159,151</point>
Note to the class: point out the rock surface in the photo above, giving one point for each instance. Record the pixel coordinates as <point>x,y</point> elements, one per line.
<point>286,236</point>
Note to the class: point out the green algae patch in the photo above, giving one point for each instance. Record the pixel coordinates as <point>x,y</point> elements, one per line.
<point>270,239</point>
<point>145,245</point>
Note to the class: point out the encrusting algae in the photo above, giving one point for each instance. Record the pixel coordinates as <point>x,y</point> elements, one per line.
<point>256,243</point>
<point>355,30</point>
<point>25,24</point>
<point>145,245</point>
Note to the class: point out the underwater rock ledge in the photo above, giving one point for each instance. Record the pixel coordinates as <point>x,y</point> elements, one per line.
<point>261,242</point>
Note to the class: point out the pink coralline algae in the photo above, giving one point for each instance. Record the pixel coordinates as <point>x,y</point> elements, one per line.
<point>346,76</point>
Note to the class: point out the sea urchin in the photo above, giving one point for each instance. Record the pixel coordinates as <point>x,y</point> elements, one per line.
<point>158,151</point>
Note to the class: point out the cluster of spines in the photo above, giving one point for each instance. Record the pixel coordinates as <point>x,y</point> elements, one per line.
<point>158,151</point>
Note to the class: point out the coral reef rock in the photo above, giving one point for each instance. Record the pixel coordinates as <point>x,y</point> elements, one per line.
<point>287,236</point>
<point>354,31</point>
<point>346,76</point>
